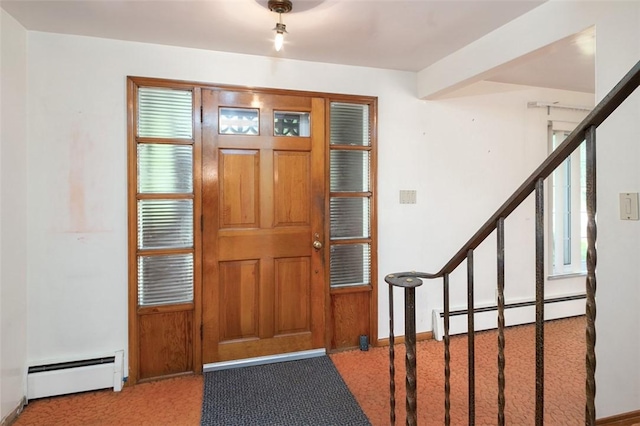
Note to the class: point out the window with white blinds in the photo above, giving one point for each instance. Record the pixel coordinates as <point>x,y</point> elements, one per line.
<point>165,216</point>
<point>350,194</point>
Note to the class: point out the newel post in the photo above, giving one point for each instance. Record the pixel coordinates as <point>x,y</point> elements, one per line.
<point>409,282</point>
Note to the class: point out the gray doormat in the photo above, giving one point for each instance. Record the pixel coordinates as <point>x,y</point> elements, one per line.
<point>304,392</point>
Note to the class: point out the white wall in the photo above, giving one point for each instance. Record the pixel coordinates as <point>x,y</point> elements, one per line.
<point>473,151</point>
<point>13,209</point>
<point>77,159</point>
<point>618,320</point>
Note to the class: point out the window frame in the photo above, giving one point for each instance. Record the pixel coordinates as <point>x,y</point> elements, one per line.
<point>370,193</point>
<point>566,254</point>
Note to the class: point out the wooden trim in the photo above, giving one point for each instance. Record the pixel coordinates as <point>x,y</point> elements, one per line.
<point>165,196</point>
<point>160,141</point>
<point>351,289</point>
<point>164,252</point>
<point>319,181</point>
<point>625,419</point>
<point>163,309</point>
<point>133,352</point>
<point>168,376</point>
<point>197,232</point>
<point>344,241</point>
<point>336,147</point>
<point>329,323</point>
<point>352,194</point>
<point>373,211</point>
<point>427,335</point>
<point>185,84</point>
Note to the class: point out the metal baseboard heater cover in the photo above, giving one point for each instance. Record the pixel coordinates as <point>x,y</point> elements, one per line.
<point>269,359</point>
<point>515,313</point>
<point>76,376</point>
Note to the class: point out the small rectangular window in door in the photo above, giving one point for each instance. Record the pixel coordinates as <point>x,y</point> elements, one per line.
<point>291,124</point>
<point>239,121</point>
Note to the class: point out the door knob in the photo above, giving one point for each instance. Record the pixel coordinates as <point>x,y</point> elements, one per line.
<point>317,244</point>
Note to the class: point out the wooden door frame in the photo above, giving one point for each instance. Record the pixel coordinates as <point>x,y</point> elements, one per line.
<point>133,82</point>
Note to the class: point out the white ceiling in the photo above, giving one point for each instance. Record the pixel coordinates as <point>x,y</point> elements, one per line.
<point>405,35</point>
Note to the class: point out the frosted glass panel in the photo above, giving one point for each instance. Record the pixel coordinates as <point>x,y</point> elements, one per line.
<point>165,113</point>
<point>350,265</point>
<point>349,171</point>
<point>238,121</point>
<point>165,279</point>
<point>165,224</point>
<point>291,124</point>
<point>350,124</point>
<point>164,168</point>
<point>349,218</point>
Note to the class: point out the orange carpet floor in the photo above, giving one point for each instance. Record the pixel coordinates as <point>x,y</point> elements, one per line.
<point>178,401</point>
<point>564,377</point>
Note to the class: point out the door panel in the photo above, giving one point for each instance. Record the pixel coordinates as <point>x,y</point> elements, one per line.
<point>239,299</point>
<point>263,206</point>
<point>239,191</point>
<point>292,295</point>
<point>292,188</point>
<point>165,343</point>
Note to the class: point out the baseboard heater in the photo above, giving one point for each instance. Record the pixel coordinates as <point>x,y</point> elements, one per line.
<point>515,313</point>
<point>62,378</point>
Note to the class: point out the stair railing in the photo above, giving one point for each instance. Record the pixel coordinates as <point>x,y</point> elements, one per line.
<point>585,131</point>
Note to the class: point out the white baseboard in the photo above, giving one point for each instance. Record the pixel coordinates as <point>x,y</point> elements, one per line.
<point>76,376</point>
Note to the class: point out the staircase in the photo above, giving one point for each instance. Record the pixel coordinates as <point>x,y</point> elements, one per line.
<point>586,131</point>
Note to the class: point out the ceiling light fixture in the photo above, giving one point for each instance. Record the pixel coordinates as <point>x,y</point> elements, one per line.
<point>280,7</point>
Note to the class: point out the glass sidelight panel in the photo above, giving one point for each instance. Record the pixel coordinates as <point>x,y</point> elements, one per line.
<point>350,265</point>
<point>166,279</point>
<point>349,218</point>
<point>165,224</point>
<point>238,121</point>
<point>164,168</point>
<point>165,113</point>
<point>291,124</point>
<point>349,171</point>
<point>350,124</point>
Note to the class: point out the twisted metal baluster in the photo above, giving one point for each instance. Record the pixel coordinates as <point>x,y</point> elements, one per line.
<point>410,359</point>
<point>447,355</point>
<point>501,342</point>
<point>590,409</point>
<point>471,342</point>
<point>392,362</point>
<point>539,302</point>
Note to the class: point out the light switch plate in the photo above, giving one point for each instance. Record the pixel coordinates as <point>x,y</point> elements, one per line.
<point>408,196</point>
<point>629,206</point>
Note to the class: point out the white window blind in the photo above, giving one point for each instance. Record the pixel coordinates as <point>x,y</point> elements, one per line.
<point>165,113</point>
<point>350,190</point>
<point>165,215</point>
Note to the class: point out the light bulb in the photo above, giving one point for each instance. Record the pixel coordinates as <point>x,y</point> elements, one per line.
<point>279,41</point>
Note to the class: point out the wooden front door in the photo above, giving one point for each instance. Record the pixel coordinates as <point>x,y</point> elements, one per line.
<point>263,208</point>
